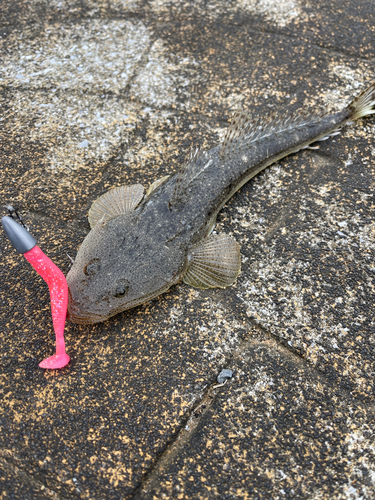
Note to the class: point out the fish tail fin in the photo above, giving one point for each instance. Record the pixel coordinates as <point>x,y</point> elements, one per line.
<point>364,104</point>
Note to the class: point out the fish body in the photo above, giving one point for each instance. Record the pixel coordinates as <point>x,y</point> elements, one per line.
<point>139,246</point>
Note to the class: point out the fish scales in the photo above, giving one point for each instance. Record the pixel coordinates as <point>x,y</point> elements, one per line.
<point>138,248</point>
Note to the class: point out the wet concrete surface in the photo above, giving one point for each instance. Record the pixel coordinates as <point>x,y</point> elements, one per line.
<point>99,94</point>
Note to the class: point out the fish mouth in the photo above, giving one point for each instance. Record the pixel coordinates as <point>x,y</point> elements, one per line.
<point>79,318</point>
<point>76,315</point>
<point>84,320</point>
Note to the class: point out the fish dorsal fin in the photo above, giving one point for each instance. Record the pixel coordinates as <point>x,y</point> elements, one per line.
<point>236,132</point>
<point>156,184</point>
<point>194,164</point>
<point>213,263</point>
<point>245,130</point>
<point>117,201</point>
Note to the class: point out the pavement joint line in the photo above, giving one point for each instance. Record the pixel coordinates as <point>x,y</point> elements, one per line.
<point>121,96</point>
<point>173,447</point>
<point>7,465</point>
<point>138,15</point>
<point>66,91</point>
<point>280,342</point>
<point>330,50</point>
<point>176,444</point>
<point>292,36</point>
<point>188,426</point>
<point>73,21</point>
<point>347,395</point>
<point>294,352</point>
<point>141,65</point>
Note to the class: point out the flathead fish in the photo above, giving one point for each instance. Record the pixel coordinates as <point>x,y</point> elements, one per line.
<point>140,245</point>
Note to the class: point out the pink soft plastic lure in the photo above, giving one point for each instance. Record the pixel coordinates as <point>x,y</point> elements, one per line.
<point>25,243</point>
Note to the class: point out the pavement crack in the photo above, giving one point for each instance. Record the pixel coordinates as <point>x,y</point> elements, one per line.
<point>279,341</point>
<point>283,345</point>
<point>176,444</point>
<point>332,50</point>
<point>12,472</point>
<point>182,436</point>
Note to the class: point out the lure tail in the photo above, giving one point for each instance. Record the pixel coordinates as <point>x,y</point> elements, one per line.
<point>25,243</point>
<point>364,104</point>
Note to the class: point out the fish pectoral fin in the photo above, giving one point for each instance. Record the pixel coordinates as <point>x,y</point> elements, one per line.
<point>214,263</point>
<point>116,201</point>
<point>156,184</point>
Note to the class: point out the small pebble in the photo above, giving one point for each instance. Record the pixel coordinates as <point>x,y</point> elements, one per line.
<point>224,375</point>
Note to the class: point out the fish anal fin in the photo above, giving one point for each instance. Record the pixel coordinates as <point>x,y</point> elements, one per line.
<point>213,263</point>
<point>333,133</point>
<point>156,184</point>
<point>116,201</point>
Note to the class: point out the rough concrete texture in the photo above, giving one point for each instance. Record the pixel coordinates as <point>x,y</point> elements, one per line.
<point>96,94</point>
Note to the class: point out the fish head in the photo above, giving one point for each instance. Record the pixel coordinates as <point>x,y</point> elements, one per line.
<point>120,265</point>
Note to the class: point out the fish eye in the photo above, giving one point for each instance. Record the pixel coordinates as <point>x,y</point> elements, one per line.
<point>92,267</point>
<point>121,290</point>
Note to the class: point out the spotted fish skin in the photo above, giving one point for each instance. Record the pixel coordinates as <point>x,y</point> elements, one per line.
<point>139,247</point>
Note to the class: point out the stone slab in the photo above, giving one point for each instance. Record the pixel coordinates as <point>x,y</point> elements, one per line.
<point>277,430</point>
